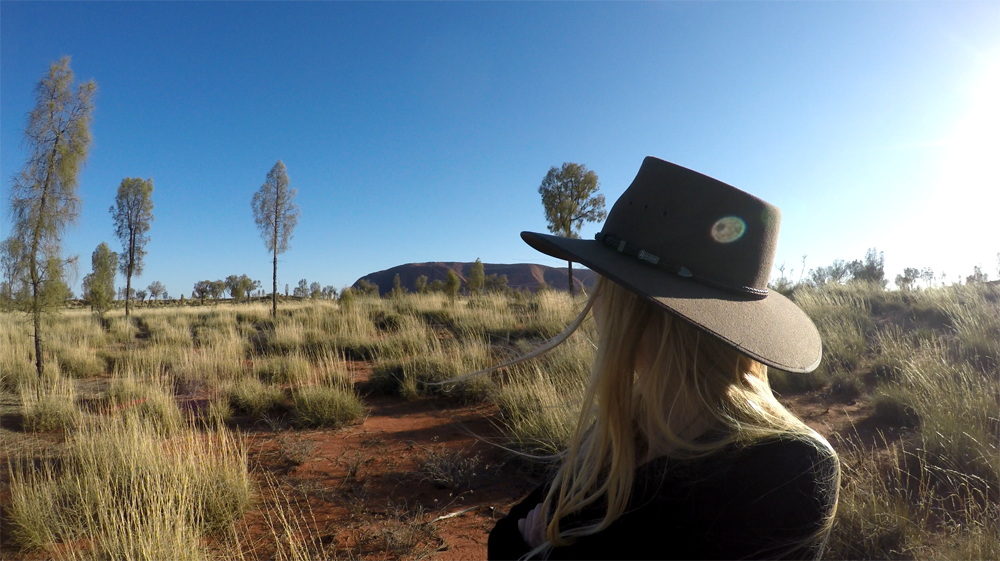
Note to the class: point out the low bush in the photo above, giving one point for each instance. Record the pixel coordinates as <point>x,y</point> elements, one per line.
<point>292,369</point>
<point>326,406</point>
<point>132,493</point>
<point>47,407</point>
<point>253,397</point>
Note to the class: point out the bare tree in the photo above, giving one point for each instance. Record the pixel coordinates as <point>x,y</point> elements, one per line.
<point>43,195</point>
<point>276,215</point>
<point>570,199</point>
<point>132,214</point>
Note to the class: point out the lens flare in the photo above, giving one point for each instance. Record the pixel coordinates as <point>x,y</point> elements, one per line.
<point>728,229</point>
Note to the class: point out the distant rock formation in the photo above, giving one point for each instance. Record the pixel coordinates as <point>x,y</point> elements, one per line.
<point>519,275</point>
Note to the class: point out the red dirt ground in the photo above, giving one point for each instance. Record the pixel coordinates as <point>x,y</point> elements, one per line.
<point>364,482</point>
<point>364,491</point>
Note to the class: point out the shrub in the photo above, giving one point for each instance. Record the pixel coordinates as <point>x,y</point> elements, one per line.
<point>150,403</point>
<point>253,397</point>
<point>49,409</point>
<point>325,406</point>
<point>284,370</point>
<point>131,492</point>
<point>449,470</point>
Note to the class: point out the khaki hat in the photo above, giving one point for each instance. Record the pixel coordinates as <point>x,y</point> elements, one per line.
<point>702,250</point>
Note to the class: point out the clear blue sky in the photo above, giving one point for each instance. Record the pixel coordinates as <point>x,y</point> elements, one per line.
<point>420,132</point>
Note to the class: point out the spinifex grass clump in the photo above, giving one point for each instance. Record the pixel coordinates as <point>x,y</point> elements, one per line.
<point>149,401</point>
<point>540,401</point>
<point>326,406</point>
<point>47,406</point>
<point>410,376</point>
<point>292,369</point>
<point>253,397</point>
<point>128,493</point>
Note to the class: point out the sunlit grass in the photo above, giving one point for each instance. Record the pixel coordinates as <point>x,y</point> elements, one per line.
<point>925,361</point>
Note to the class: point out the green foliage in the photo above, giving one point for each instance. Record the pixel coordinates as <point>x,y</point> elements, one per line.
<point>276,215</point>
<point>347,296</point>
<point>838,272</point>
<point>493,283</point>
<point>302,290</point>
<point>12,261</point>
<point>157,290</point>
<point>872,269</point>
<point>977,276</point>
<point>398,290</point>
<point>99,285</point>
<point>906,280</point>
<point>241,286</point>
<point>132,215</point>
<point>43,198</point>
<point>569,197</point>
<point>436,285</point>
<point>420,284</point>
<point>209,289</point>
<point>452,284</point>
<point>477,278</point>
<point>367,288</point>
<point>202,290</point>
<point>217,289</point>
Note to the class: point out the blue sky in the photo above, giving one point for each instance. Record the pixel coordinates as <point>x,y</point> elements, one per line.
<point>421,131</point>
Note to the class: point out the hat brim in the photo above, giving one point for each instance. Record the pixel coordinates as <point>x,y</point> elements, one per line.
<point>772,330</point>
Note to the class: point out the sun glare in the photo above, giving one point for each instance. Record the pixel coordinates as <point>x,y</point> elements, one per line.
<point>971,164</point>
<point>962,226</point>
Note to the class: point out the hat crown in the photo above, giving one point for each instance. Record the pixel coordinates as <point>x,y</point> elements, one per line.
<point>699,225</point>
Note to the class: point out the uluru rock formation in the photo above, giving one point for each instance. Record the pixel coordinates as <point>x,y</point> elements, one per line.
<point>519,275</point>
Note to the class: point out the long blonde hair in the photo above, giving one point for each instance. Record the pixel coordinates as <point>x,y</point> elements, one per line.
<point>628,416</point>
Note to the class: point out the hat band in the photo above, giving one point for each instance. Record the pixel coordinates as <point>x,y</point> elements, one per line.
<point>621,246</point>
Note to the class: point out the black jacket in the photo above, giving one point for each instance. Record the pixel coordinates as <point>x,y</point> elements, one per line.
<point>759,501</point>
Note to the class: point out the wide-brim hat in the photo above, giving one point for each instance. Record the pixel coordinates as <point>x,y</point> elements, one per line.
<point>702,250</point>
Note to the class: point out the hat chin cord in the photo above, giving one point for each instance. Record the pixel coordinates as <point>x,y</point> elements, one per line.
<point>546,347</point>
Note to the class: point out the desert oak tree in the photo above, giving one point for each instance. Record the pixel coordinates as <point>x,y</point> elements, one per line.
<point>99,285</point>
<point>477,277</point>
<point>132,215</point>
<point>276,215</point>
<point>570,198</point>
<point>43,195</point>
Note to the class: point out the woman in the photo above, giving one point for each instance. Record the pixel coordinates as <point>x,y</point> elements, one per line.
<point>681,450</point>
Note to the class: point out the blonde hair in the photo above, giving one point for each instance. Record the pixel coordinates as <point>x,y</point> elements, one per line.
<point>629,415</point>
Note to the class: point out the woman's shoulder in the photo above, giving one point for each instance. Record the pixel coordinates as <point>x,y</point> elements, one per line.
<point>765,499</point>
<point>785,455</point>
<point>787,477</point>
<point>780,452</point>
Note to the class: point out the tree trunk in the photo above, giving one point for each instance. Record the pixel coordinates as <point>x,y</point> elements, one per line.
<point>274,287</point>
<point>37,319</point>
<point>36,306</point>
<point>131,260</point>
<point>128,289</point>
<point>570,269</point>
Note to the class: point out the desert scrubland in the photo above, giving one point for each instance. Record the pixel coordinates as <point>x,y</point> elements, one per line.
<point>217,431</point>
